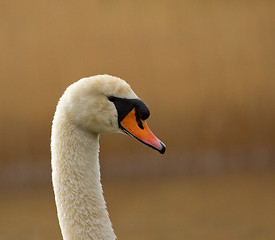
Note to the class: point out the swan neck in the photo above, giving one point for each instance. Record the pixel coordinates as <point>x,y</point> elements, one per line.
<point>78,191</point>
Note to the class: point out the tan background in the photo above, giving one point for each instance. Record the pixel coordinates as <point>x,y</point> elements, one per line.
<point>204,68</point>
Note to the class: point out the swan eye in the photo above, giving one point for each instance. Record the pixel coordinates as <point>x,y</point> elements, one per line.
<point>125,106</point>
<point>111,98</point>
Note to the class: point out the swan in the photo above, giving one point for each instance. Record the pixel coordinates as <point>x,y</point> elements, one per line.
<point>89,107</point>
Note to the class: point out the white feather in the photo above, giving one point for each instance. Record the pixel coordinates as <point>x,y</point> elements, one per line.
<point>83,112</point>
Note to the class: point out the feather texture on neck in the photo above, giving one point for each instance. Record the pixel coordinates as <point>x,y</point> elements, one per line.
<point>76,179</point>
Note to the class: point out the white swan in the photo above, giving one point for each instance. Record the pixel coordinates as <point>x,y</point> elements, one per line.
<point>94,105</point>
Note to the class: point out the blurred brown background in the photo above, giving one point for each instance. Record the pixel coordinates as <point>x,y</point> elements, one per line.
<point>206,71</point>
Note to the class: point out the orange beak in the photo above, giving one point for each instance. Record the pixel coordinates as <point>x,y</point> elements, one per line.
<point>138,129</point>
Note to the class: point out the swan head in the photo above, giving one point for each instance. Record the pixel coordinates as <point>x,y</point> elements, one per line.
<point>107,104</point>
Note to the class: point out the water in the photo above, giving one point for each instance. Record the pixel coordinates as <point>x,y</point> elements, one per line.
<point>193,207</point>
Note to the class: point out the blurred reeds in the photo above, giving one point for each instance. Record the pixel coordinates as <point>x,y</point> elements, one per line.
<point>205,69</point>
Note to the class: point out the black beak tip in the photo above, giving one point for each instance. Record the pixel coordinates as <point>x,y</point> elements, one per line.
<point>163,148</point>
